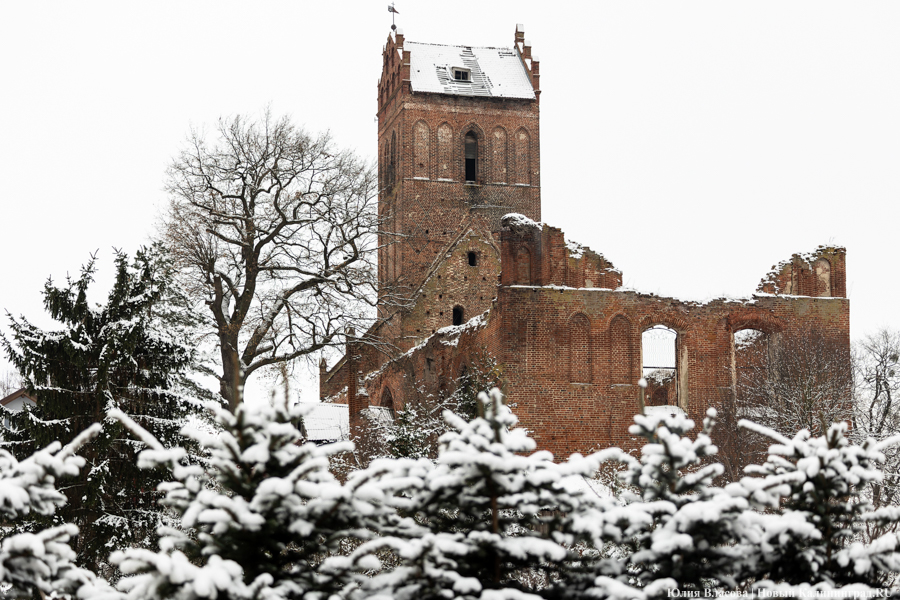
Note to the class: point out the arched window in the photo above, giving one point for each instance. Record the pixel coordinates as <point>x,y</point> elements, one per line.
<point>498,160</point>
<point>457,315</point>
<point>751,359</point>
<point>473,258</point>
<point>387,400</point>
<point>658,364</point>
<point>471,156</point>
<point>621,354</point>
<point>823,277</point>
<point>523,157</point>
<point>580,349</point>
<point>392,163</point>
<point>445,143</point>
<point>421,150</point>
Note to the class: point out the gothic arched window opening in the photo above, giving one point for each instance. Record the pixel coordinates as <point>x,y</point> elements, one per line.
<point>457,315</point>
<point>659,365</point>
<point>471,156</point>
<point>473,259</point>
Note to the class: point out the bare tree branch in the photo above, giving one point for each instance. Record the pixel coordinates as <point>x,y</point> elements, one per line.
<point>276,230</point>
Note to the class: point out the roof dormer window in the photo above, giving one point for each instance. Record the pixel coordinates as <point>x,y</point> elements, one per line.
<point>462,74</point>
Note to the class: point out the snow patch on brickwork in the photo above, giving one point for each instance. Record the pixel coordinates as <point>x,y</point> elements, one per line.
<point>575,249</point>
<point>667,409</point>
<point>519,223</point>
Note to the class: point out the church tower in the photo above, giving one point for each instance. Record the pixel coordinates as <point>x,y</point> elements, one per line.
<point>458,148</point>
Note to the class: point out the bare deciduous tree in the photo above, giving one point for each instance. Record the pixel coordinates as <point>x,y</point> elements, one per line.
<point>806,382</point>
<point>876,361</point>
<point>10,382</point>
<point>274,229</point>
<point>784,382</point>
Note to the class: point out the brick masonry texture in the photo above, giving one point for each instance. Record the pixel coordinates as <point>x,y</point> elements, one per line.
<point>565,333</point>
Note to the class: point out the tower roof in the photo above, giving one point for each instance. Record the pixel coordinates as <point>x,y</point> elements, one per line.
<point>493,72</point>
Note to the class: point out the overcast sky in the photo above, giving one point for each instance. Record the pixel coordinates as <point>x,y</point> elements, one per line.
<point>694,144</point>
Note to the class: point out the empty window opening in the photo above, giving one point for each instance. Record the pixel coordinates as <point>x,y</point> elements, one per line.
<point>659,365</point>
<point>473,259</point>
<point>751,360</point>
<point>387,401</point>
<point>460,74</point>
<point>457,315</point>
<point>471,152</point>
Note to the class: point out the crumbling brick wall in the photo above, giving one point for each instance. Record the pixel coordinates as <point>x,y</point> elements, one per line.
<point>571,356</point>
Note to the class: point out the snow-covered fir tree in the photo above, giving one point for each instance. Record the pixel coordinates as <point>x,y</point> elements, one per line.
<point>673,528</point>
<point>131,353</point>
<point>816,486</point>
<point>488,520</point>
<point>792,526</point>
<point>264,519</point>
<point>417,426</point>
<point>41,564</point>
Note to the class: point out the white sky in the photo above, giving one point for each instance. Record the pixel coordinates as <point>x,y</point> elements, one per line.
<point>695,144</point>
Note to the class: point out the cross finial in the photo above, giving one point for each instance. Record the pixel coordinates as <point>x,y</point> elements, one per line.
<point>393,12</point>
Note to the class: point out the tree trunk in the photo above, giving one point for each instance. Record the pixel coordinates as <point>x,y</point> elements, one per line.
<point>231,383</point>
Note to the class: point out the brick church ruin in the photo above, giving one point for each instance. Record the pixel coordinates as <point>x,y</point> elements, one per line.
<point>460,179</point>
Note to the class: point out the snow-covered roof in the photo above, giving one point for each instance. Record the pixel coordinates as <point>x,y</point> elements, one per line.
<point>668,409</point>
<point>327,422</point>
<point>495,72</point>
<point>16,401</point>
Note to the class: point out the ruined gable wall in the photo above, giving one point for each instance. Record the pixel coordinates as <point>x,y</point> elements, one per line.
<point>822,273</point>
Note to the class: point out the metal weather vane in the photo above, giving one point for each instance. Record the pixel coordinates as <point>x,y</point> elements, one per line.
<point>393,12</point>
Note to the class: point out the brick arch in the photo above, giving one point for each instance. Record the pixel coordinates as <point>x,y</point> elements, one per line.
<point>760,322</point>
<point>445,163</point>
<point>579,342</point>
<point>386,399</point>
<point>673,321</point>
<point>421,149</point>
<point>522,145</point>
<point>499,155</point>
<point>474,127</point>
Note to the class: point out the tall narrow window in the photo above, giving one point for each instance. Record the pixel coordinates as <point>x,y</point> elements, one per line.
<point>471,152</point>
<point>823,277</point>
<point>445,144</point>
<point>621,355</point>
<point>498,160</point>
<point>422,150</point>
<point>579,349</point>
<point>523,157</point>
<point>457,315</point>
<point>659,366</point>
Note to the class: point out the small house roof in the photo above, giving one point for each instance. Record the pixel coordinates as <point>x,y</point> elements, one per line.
<point>20,393</point>
<point>495,72</point>
<point>327,422</point>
